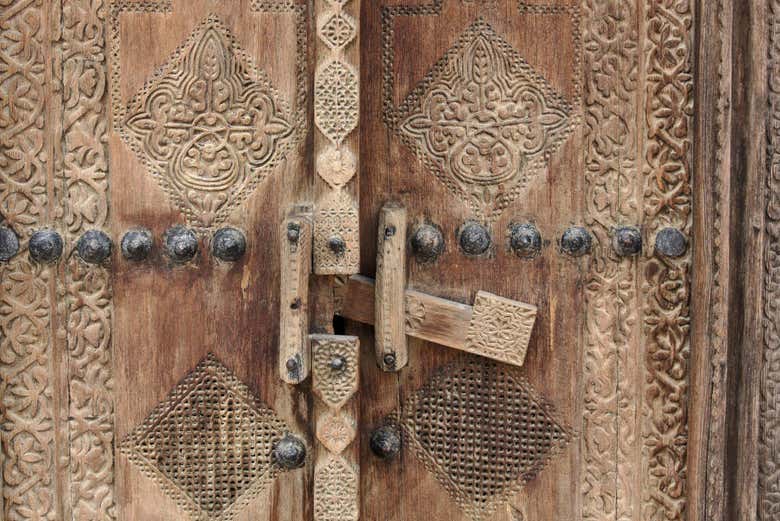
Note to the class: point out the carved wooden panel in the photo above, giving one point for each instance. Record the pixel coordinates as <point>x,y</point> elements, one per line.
<point>208,444</point>
<point>483,431</point>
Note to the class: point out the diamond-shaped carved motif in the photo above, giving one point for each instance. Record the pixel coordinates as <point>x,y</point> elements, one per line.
<point>209,126</point>
<point>338,30</point>
<point>483,431</point>
<point>484,121</point>
<point>209,444</point>
<point>336,430</point>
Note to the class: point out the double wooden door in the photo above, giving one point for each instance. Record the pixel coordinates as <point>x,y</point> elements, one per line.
<point>388,260</point>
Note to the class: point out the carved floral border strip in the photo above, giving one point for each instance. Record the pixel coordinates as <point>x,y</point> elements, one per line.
<point>769,448</point>
<point>611,441</point>
<point>55,359</point>
<point>26,300</point>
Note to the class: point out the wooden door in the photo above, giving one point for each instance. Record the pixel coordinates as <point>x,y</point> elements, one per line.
<point>389,260</point>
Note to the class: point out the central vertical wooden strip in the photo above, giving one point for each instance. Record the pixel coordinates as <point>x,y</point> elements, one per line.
<point>336,143</point>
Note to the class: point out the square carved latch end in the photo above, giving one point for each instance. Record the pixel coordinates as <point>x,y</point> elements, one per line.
<point>500,328</point>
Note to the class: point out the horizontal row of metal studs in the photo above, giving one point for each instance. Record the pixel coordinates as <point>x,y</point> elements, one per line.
<point>427,241</point>
<point>94,247</point>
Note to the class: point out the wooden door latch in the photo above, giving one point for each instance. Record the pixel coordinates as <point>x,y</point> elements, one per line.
<point>493,327</point>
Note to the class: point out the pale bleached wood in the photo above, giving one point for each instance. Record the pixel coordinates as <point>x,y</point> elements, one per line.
<point>335,382</point>
<point>390,300</point>
<point>295,240</point>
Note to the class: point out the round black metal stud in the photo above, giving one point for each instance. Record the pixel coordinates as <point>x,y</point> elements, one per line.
<point>389,360</point>
<point>293,232</point>
<point>181,244</point>
<point>576,241</point>
<point>525,240</point>
<point>290,452</point>
<point>94,247</point>
<point>229,244</point>
<point>385,442</point>
<point>427,243</point>
<point>627,241</point>
<point>45,246</point>
<point>337,245</point>
<point>9,244</point>
<point>671,242</point>
<point>137,244</point>
<point>474,238</point>
<point>339,363</point>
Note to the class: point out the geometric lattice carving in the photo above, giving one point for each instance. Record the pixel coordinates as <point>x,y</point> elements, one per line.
<point>483,121</point>
<point>500,328</point>
<point>336,491</point>
<point>209,126</point>
<point>208,444</point>
<point>336,100</point>
<point>338,30</point>
<point>483,431</point>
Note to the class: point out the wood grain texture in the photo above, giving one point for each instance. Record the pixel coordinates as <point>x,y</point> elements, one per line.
<point>295,247</point>
<point>168,317</point>
<point>390,290</point>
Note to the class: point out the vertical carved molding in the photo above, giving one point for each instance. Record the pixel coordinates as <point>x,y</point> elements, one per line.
<point>769,446</point>
<point>611,442</point>
<point>82,174</point>
<point>27,384</point>
<point>336,114</point>
<point>335,374</point>
<point>667,194</point>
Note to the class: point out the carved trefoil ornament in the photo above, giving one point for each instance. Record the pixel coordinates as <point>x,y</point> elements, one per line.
<point>483,431</point>
<point>484,121</point>
<point>208,445</point>
<point>209,126</point>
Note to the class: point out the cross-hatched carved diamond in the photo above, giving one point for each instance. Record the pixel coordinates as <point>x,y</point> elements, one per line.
<point>484,121</point>
<point>483,431</point>
<point>209,126</point>
<point>209,444</point>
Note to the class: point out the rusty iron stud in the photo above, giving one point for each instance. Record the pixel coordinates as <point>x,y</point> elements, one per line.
<point>385,442</point>
<point>525,240</point>
<point>474,239</point>
<point>45,246</point>
<point>576,241</point>
<point>290,452</point>
<point>670,242</point>
<point>137,244</point>
<point>229,244</point>
<point>627,241</point>
<point>427,243</point>
<point>94,247</point>
<point>181,244</point>
<point>337,245</point>
<point>9,244</point>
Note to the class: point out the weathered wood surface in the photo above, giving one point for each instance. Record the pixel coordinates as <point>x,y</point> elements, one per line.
<point>655,376</point>
<point>390,290</point>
